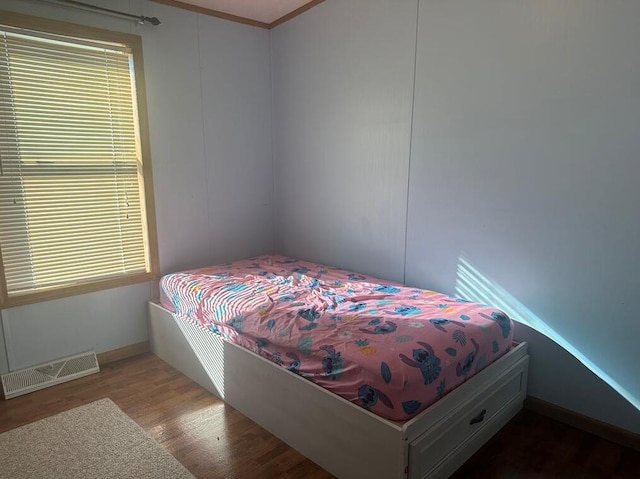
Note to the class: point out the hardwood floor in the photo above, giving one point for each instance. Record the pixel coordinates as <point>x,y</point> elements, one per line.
<point>209,438</point>
<point>533,446</point>
<point>215,441</point>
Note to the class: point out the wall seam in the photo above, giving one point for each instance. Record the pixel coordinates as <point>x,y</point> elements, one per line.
<point>274,220</point>
<point>204,139</point>
<point>413,102</point>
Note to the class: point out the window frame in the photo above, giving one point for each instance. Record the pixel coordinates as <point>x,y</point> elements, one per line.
<point>134,42</point>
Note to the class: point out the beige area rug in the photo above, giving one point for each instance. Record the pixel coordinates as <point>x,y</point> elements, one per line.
<point>97,440</point>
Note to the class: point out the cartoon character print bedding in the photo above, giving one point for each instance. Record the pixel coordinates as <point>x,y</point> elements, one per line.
<point>391,349</point>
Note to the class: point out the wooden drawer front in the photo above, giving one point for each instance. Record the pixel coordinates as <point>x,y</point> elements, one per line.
<point>430,448</point>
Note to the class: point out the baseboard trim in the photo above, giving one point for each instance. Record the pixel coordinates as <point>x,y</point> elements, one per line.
<point>123,353</point>
<point>585,423</point>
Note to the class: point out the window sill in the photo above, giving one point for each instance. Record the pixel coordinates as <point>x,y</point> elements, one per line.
<point>76,289</point>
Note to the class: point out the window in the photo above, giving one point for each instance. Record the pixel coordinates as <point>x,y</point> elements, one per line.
<point>76,212</point>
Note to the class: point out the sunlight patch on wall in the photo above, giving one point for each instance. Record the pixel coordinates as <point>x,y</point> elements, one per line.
<point>473,285</point>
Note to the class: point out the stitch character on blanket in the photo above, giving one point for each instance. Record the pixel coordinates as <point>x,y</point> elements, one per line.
<point>463,368</point>
<point>294,366</point>
<point>332,363</point>
<point>425,360</point>
<point>503,321</point>
<point>439,322</point>
<point>386,328</point>
<point>369,396</point>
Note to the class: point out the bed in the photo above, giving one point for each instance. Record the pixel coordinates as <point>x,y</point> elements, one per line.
<point>365,377</point>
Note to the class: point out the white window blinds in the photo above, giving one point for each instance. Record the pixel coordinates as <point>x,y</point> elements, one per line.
<point>71,178</point>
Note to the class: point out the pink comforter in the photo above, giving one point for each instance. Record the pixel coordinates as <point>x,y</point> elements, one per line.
<point>391,349</point>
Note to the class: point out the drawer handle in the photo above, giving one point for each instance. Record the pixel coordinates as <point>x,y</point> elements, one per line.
<point>478,418</point>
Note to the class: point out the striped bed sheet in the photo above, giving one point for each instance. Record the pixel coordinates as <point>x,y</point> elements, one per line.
<point>389,348</point>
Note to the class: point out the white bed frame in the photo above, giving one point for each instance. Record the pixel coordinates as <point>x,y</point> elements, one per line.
<point>341,437</point>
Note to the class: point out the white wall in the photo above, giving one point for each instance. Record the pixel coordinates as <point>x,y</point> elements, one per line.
<point>524,159</point>
<point>558,377</point>
<point>208,94</point>
<point>236,75</point>
<point>208,87</point>
<point>342,93</point>
<point>525,135</point>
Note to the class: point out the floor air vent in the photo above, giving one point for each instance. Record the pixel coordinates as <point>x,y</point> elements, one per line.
<point>42,376</point>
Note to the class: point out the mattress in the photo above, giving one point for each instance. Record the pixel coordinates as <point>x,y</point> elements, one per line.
<point>388,348</point>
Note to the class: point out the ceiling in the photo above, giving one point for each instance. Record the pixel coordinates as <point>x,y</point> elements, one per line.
<point>266,12</point>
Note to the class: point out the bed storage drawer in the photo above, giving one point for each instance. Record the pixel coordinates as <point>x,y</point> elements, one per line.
<point>482,416</point>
